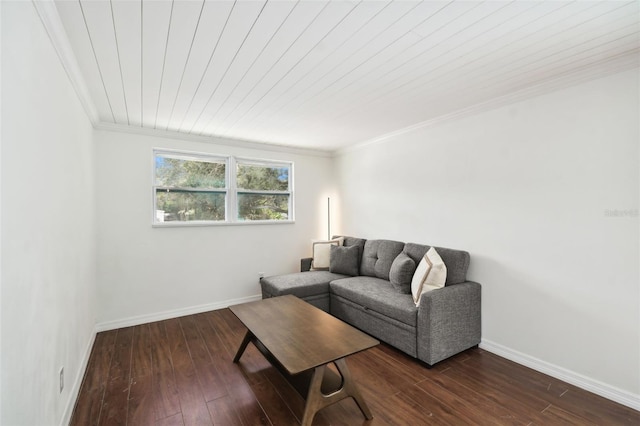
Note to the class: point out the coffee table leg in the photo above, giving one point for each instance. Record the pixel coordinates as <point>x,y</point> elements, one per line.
<point>314,396</point>
<point>317,400</point>
<point>351,389</point>
<point>247,338</point>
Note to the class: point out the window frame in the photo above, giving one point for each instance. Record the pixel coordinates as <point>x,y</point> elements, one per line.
<point>230,190</point>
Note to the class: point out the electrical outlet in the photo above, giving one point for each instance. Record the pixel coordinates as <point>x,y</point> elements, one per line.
<point>61,379</point>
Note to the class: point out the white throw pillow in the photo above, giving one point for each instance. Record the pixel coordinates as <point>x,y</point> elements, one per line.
<point>430,274</point>
<point>322,253</point>
<point>422,270</point>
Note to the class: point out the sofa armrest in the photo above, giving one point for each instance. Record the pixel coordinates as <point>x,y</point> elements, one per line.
<point>449,321</point>
<point>305,264</point>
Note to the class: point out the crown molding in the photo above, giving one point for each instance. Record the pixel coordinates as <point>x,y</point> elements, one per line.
<point>48,14</point>
<point>616,64</point>
<point>216,140</point>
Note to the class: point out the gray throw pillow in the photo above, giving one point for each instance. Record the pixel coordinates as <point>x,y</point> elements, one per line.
<point>401,273</point>
<point>344,260</point>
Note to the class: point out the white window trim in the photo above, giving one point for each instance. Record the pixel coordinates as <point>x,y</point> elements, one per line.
<point>230,189</point>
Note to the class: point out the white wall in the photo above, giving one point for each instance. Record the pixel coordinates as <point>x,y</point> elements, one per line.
<point>47,229</point>
<point>528,190</point>
<point>147,273</point>
<point>1,363</point>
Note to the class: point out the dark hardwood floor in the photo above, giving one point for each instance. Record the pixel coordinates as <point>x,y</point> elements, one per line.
<point>180,372</point>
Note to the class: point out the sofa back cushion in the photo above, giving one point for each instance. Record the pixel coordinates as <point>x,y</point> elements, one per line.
<point>378,256</point>
<point>401,274</point>
<point>345,260</point>
<point>352,241</point>
<point>457,261</point>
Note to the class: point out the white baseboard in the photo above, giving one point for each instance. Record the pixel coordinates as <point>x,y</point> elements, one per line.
<point>159,316</point>
<point>606,391</point>
<point>77,382</point>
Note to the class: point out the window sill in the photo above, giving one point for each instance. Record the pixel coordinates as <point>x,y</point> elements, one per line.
<point>196,223</point>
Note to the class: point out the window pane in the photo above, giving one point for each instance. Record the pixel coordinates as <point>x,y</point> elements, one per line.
<point>189,173</point>
<point>263,207</point>
<point>263,178</point>
<point>187,206</point>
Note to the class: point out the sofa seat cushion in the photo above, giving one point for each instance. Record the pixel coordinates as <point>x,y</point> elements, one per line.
<point>301,284</point>
<point>377,295</point>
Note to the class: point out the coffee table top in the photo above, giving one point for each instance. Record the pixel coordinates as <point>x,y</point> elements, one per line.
<point>299,335</point>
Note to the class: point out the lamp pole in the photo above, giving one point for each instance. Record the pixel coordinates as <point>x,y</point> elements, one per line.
<point>328,218</point>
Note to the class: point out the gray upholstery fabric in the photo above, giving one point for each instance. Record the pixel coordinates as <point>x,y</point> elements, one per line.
<point>401,273</point>
<point>377,295</point>
<point>352,241</point>
<point>457,261</point>
<point>393,332</point>
<point>321,301</point>
<point>378,256</point>
<point>301,284</point>
<point>448,321</point>
<point>344,260</point>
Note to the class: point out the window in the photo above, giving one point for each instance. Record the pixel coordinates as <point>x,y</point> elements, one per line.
<point>263,190</point>
<point>209,189</point>
<point>190,188</point>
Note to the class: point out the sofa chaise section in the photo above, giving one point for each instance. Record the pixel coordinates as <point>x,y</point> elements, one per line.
<point>311,286</point>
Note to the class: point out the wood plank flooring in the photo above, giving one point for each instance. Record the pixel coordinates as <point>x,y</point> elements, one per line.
<point>180,372</point>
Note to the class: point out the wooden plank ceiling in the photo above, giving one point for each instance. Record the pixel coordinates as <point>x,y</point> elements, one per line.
<point>328,74</point>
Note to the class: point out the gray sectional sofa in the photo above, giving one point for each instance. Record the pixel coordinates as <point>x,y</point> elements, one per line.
<point>445,322</point>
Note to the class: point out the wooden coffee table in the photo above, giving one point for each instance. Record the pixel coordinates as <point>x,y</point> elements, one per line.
<point>300,340</point>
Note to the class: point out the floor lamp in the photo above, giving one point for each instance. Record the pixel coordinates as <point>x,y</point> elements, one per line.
<point>328,218</point>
